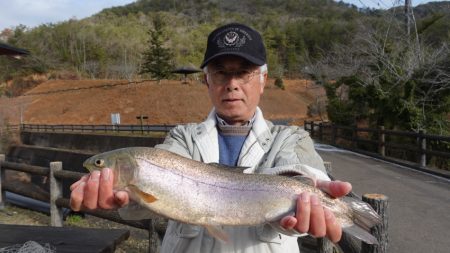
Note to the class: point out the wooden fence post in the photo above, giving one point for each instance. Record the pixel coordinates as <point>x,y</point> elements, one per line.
<point>56,214</point>
<point>355,137</point>
<point>2,177</point>
<point>312,129</point>
<point>380,204</point>
<point>324,245</point>
<point>333,134</point>
<point>422,141</point>
<point>153,239</point>
<point>381,141</point>
<point>328,167</point>
<point>320,131</point>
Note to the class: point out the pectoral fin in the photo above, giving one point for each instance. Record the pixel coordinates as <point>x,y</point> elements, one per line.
<point>146,197</point>
<point>218,233</point>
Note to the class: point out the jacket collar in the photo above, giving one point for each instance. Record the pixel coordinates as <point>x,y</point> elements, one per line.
<point>206,138</point>
<point>257,143</point>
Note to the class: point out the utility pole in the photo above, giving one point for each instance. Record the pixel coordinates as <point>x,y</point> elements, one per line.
<point>408,16</point>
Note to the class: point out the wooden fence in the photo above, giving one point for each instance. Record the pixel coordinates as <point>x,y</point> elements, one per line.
<point>156,227</point>
<point>97,128</point>
<point>386,144</point>
<point>9,128</point>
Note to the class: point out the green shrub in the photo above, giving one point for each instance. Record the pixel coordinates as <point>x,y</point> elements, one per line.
<point>279,83</point>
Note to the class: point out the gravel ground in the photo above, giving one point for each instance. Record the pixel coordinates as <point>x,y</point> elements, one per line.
<point>137,242</point>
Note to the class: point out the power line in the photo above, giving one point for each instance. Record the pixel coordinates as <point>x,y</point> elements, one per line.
<point>379,3</point>
<point>365,6</point>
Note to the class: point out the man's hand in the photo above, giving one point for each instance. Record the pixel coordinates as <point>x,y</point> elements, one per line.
<point>96,191</point>
<point>312,218</point>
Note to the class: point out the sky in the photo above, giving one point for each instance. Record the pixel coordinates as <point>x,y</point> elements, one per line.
<point>384,4</point>
<point>33,13</point>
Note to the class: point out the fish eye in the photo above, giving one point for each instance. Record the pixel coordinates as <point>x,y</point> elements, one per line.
<point>99,162</point>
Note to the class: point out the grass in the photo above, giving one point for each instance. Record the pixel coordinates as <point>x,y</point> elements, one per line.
<point>137,242</point>
<point>75,220</point>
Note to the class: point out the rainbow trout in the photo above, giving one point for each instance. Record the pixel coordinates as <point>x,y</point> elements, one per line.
<point>211,195</point>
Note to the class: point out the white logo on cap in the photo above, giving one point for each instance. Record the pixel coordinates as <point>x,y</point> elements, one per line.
<point>231,39</point>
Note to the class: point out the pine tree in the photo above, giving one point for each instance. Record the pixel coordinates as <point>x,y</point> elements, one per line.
<point>158,60</point>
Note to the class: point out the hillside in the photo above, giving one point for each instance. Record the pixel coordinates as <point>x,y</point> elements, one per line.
<point>110,44</point>
<point>404,86</point>
<point>171,102</point>
<point>297,34</point>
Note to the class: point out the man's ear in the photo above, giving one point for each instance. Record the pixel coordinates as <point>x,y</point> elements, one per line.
<point>263,81</point>
<point>205,80</point>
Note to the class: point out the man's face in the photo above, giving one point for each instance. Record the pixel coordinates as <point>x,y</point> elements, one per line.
<point>235,88</point>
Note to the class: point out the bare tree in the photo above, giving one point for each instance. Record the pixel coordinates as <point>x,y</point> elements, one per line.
<point>415,75</point>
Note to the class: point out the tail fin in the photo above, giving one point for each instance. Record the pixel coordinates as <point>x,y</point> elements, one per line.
<point>364,218</point>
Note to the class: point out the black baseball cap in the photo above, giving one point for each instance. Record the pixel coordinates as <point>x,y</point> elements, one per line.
<point>235,39</point>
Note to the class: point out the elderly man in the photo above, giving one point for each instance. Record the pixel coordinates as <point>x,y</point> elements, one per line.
<point>236,134</point>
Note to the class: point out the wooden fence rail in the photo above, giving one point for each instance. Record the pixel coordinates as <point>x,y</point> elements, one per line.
<point>155,227</point>
<point>97,128</point>
<point>415,143</point>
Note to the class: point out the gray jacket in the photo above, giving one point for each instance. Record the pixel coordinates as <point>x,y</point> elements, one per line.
<point>267,149</point>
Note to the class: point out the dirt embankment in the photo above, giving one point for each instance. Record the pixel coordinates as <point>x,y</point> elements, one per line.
<point>170,102</point>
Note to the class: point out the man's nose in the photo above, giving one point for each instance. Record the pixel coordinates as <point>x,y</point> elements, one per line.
<point>232,83</point>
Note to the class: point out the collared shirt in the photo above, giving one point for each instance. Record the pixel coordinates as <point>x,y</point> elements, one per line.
<point>222,122</point>
<point>231,138</point>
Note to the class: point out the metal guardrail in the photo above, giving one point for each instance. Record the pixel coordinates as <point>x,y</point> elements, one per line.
<point>97,128</point>
<point>8,128</point>
<point>422,145</point>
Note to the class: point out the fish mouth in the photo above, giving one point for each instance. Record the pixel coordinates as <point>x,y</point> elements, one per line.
<point>89,165</point>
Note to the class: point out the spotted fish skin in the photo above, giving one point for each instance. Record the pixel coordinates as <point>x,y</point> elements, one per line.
<point>204,194</point>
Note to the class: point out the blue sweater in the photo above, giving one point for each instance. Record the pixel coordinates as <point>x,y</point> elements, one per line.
<point>229,148</point>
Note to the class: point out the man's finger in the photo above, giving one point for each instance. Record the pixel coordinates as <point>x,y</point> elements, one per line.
<point>91,191</point>
<point>334,230</point>
<point>334,188</point>
<point>288,222</point>
<point>76,197</point>
<point>105,190</point>
<point>303,213</point>
<point>82,179</point>
<point>122,198</point>
<point>317,226</point>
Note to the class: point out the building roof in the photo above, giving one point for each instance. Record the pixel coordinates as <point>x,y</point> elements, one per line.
<point>6,49</point>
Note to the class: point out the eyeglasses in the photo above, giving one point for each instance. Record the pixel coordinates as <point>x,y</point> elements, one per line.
<point>221,77</point>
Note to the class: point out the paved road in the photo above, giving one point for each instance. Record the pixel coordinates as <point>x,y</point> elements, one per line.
<point>419,207</point>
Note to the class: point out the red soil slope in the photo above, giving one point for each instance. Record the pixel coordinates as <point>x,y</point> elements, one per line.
<point>170,102</point>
